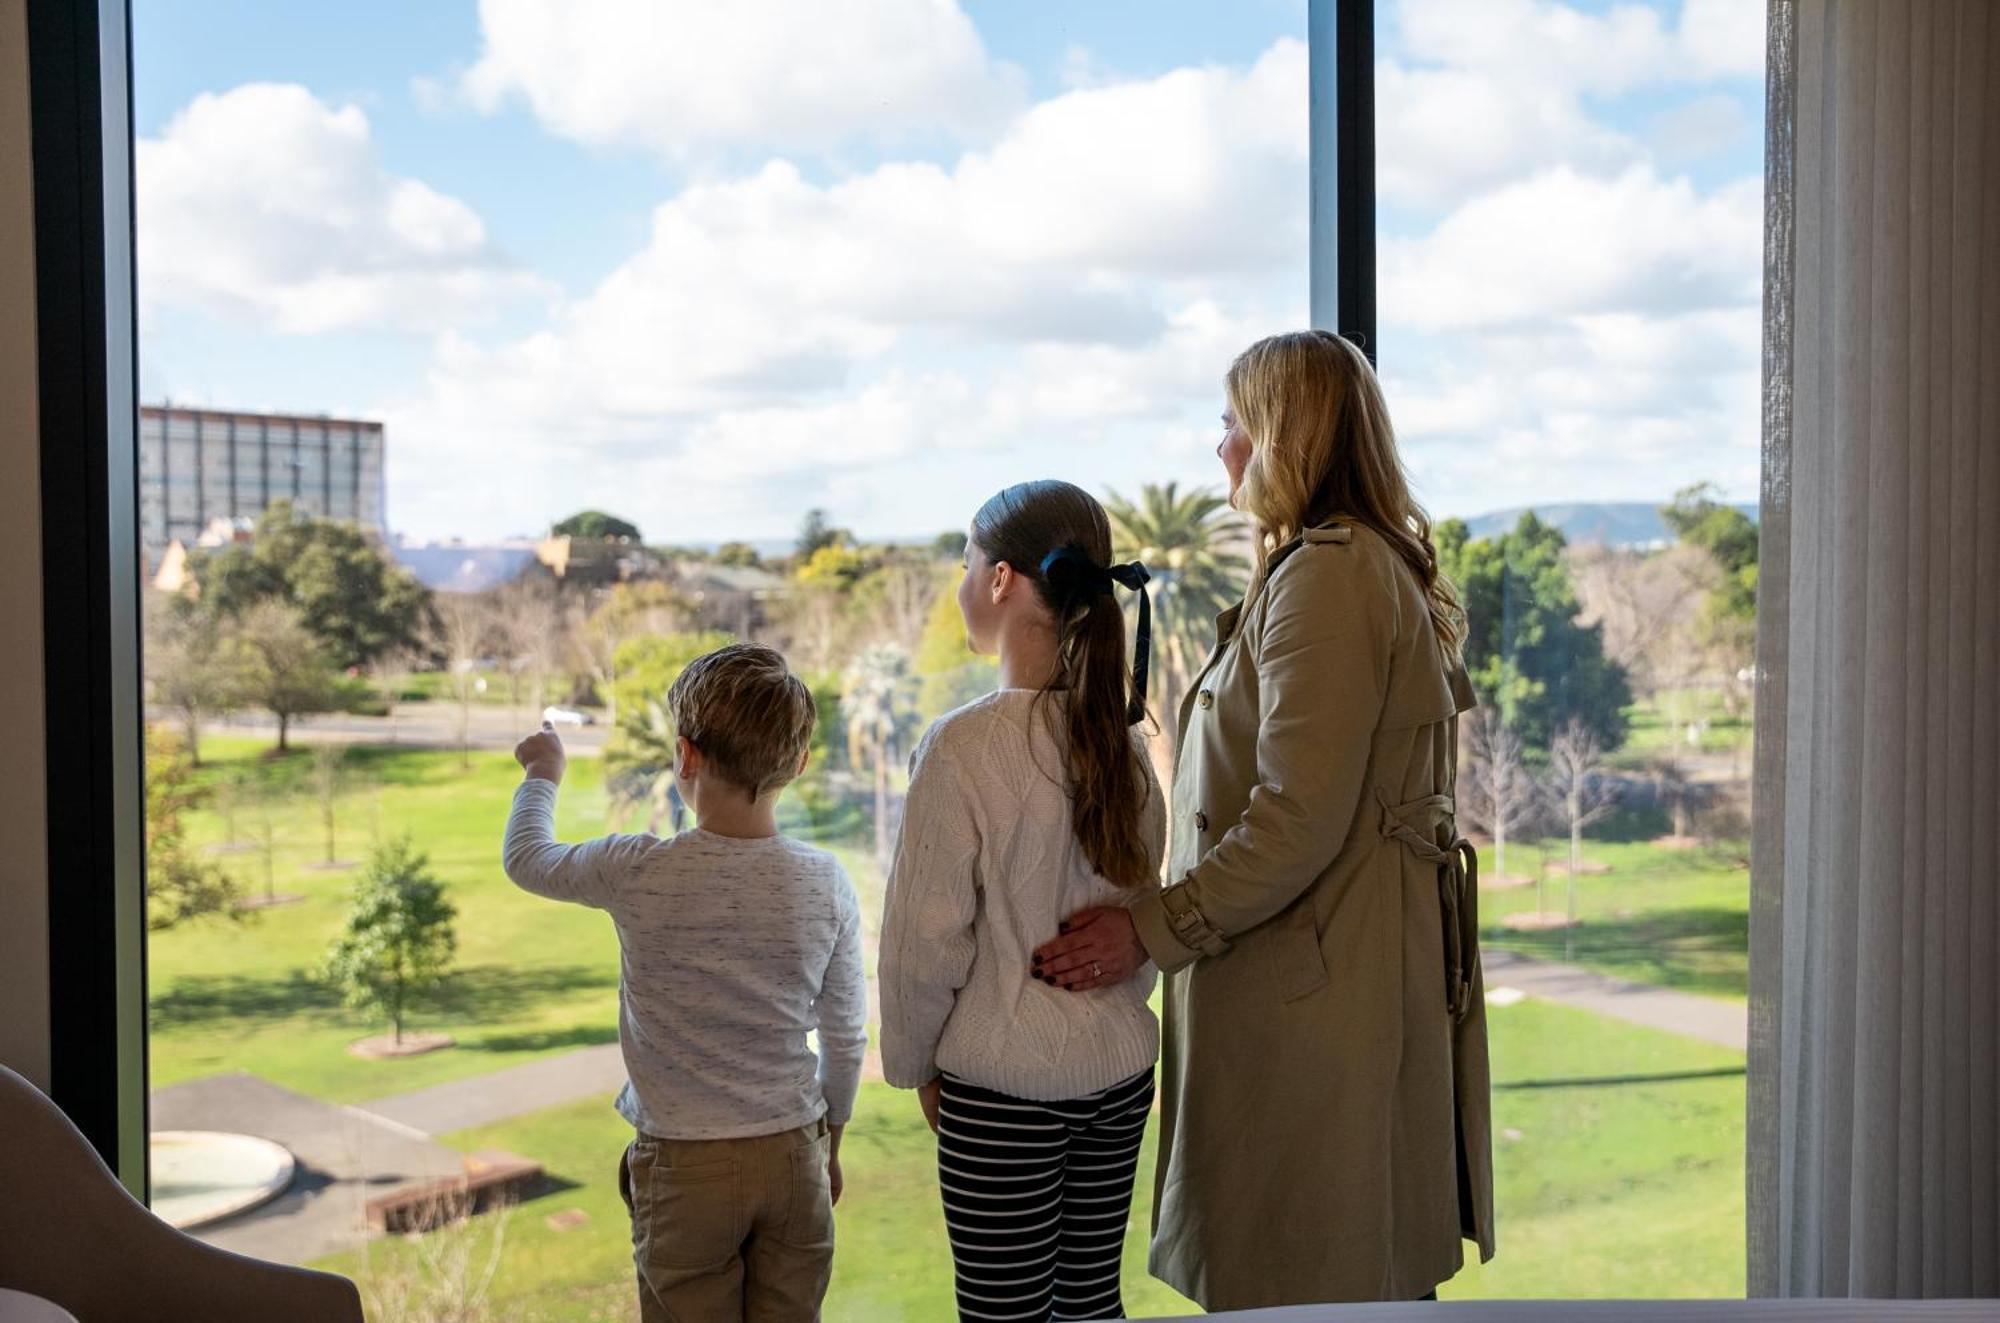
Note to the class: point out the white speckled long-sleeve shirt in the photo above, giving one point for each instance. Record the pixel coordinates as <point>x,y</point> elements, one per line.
<point>733,950</point>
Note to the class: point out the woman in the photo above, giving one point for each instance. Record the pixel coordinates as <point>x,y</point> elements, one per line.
<point>1024,806</point>
<point>1325,1131</point>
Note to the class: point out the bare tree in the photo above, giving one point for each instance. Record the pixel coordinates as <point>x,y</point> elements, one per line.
<point>528,623</point>
<point>327,757</point>
<point>627,612</point>
<point>391,675</point>
<point>904,589</point>
<point>1584,795</point>
<point>1649,605</point>
<point>1500,792</point>
<point>462,631</point>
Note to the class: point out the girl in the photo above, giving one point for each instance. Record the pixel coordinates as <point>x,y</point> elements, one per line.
<point>1029,804</point>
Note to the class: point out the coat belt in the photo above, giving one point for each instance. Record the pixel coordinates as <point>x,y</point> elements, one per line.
<point>1414,825</point>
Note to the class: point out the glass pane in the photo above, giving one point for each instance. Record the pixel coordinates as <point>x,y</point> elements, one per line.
<point>785,291</point>
<point>1570,238</point>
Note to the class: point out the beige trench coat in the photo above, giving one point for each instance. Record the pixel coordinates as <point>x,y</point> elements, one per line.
<point>1324,1082</point>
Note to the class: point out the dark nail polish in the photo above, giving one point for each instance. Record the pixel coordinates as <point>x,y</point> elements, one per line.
<point>1038,962</point>
<point>1063,927</point>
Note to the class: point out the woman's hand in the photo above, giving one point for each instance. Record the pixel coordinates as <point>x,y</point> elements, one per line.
<point>1099,948</point>
<point>928,1097</point>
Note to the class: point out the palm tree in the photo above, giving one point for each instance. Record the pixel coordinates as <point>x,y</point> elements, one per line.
<point>1191,542</point>
<point>878,704</point>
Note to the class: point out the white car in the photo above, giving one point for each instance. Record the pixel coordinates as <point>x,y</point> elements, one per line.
<point>567,716</point>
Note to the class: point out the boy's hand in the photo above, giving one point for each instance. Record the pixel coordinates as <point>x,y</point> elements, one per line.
<point>834,1179</point>
<point>928,1097</point>
<point>541,755</point>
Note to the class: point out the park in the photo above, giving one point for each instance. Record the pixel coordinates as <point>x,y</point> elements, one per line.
<point>332,925</point>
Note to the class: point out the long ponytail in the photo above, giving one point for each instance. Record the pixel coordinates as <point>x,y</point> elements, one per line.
<point>1056,535</point>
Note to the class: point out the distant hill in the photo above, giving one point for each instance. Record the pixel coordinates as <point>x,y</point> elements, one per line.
<point>1609,523</point>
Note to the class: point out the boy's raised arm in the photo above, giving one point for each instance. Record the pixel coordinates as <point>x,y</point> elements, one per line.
<point>535,861</point>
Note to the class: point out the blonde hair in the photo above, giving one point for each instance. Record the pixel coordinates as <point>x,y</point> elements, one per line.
<point>749,715</point>
<point>1321,448</point>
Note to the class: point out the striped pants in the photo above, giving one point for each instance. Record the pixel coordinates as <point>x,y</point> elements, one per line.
<point>1037,1196</point>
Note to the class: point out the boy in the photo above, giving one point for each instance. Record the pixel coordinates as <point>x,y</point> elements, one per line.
<point>736,943</point>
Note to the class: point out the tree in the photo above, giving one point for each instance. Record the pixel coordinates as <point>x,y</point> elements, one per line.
<point>327,757</point>
<point>1583,794</point>
<point>1526,648</point>
<point>627,611</point>
<point>639,757</point>
<point>1678,793</point>
<point>895,597</point>
<point>529,622</point>
<point>1188,540</point>
<point>1496,785</point>
<point>950,674</point>
<point>596,526</point>
<point>1648,607</point>
<point>190,667</point>
<point>878,705</point>
<point>399,937</point>
<point>347,588</point>
<point>284,667</point>
<point>180,885</point>
<point>950,545</point>
<point>816,533</point>
<point>461,629</point>
<point>739,555</point>
<point>1728,640</point>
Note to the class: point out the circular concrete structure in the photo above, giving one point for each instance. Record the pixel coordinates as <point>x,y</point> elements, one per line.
<point>203,1176</point>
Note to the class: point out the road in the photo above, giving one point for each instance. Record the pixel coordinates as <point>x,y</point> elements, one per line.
<point>493,726</point>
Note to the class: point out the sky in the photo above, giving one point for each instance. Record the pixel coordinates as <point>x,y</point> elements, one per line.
<point>708,266</point>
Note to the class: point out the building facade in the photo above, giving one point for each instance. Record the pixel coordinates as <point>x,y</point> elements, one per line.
<point>197,466</point>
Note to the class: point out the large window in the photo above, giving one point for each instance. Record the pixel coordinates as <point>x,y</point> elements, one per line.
<point>1569,238</point>
<point>680,322</point>
<point>572,340</point>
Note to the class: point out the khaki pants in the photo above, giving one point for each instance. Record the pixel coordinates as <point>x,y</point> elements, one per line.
<point>730,1228</point>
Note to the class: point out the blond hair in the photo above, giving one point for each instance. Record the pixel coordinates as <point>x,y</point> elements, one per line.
<point>750,717</point>
<point>1321,448</point>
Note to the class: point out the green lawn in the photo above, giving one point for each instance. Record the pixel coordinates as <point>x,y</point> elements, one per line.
<point>1660,726</point>
<point>1605,1188</point>
<point>1676,918</point>
<point>1630,1187</point>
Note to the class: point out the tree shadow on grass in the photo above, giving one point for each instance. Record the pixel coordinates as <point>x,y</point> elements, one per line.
<point>1704,949</point>
<point>484,993</point>
<point>593,1035</point>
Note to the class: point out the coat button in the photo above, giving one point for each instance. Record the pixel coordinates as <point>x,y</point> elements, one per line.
<point>1206,698</point>
<point>1200,821</point>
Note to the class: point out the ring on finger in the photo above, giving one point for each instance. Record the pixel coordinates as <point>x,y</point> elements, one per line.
<point>1096,969</point>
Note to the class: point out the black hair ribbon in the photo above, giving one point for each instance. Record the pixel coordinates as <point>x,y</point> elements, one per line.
<point>1072,573</point>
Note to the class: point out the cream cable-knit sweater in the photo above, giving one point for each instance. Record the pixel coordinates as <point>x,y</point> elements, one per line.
<point>986,868</point>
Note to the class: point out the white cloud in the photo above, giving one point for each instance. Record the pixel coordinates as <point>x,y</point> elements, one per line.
<point>1096,266</point>
<point>268,205</point>
<point>684,78</point>
<point>1477,92</point>
<point>1563,244</point>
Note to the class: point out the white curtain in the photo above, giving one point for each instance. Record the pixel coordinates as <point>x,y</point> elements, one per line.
<point>1874,1157</point>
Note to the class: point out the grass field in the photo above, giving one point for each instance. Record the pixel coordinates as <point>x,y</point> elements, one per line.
<point>532,977</point>
<point>1677,918</point>
<point>1630,1187</point>
<point>1605,1189</point>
